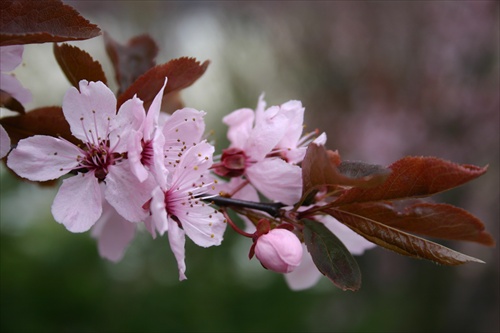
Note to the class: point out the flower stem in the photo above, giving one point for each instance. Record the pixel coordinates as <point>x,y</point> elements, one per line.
<point>273,209</point>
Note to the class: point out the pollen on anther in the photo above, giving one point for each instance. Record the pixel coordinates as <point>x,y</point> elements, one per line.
<point>195,167</point>
<point>212,236</point>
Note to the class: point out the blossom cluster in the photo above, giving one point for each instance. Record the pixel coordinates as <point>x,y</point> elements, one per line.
<point>135,167</point>
<point>127,164</point>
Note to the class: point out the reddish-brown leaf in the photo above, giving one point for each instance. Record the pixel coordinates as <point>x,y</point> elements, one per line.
<point>427,219</point>
<point>415,177</point>
<point>42,121</point>
<point>181,73</point>
<point>132,60</point>
<point>323,168</point>
<point>331,257</point>
<point>9,102</point>
<point>400,241</point>
<point>41,21</point>
<point>78,65</point>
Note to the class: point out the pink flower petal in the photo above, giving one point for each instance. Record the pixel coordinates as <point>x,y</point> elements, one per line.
<point>194,163</point>
<point>306,275</point>
<point>266,134</point>
<point>185,126</point>
<point>11,84</point>
<point>158,212</point>
<point>10,57</point>
<point>279,250</point>
<point>113,234</point>
<point>355,243</point>
<point>240,124</point>
<point>90,111</point>
<point>131,116</point>
<point>4,142</point>
<point>277,180</point>
<point>151,122</point>
<point>41,158</point>
<point>294,112</point>
<point>134,154</point>
<point>177,240</point>
<point>204,225</point>
<point>78,203</point>
<point>126,193</point>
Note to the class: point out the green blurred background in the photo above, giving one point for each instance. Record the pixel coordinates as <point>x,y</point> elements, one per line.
<point>383,79</point>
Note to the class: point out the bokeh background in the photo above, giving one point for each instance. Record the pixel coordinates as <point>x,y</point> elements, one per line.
<point>382,79</point>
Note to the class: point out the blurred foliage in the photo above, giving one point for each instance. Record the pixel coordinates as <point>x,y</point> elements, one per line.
<point>384,79</point>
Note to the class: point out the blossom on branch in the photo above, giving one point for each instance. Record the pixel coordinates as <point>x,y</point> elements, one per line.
<point>177,205</point>
<point>91,114</point>
<point>266,146</point>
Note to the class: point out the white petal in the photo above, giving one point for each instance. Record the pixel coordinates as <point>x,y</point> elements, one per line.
<point>78,203</point>
<point>41,158</point>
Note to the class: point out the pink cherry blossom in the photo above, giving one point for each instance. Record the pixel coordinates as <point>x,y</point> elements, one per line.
<point>91,114</point>
<point>11,57</point>
<point>279,250</point>
<point>253,136</point>
<point>177,206</point>
<point>306,275</point>
<point>145,141</point>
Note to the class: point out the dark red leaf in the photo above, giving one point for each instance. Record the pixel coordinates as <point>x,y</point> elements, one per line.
<point>78,65</point>
<point>41,21</point>
<point>181,73</point>
<point>42,121</point>
<point>323,168</point>
<point>399,241</point>
<point>9,102</point>
<point>415,177</point>
<point>132,60</point>
<point>331,257</point>
<point>426,219</point>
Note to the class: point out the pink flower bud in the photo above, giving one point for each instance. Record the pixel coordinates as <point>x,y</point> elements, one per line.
<point>279,250</point>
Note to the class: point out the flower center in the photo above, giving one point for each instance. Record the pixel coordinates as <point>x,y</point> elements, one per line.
<point>98,158</point>
<point>147,153</point>
<point>232,164</point>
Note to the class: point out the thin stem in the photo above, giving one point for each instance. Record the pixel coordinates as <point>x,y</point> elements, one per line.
<point>273,209</point>
<point>234,226</point>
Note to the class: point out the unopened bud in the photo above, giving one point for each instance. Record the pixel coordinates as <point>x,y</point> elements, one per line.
<point>279,250</point>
